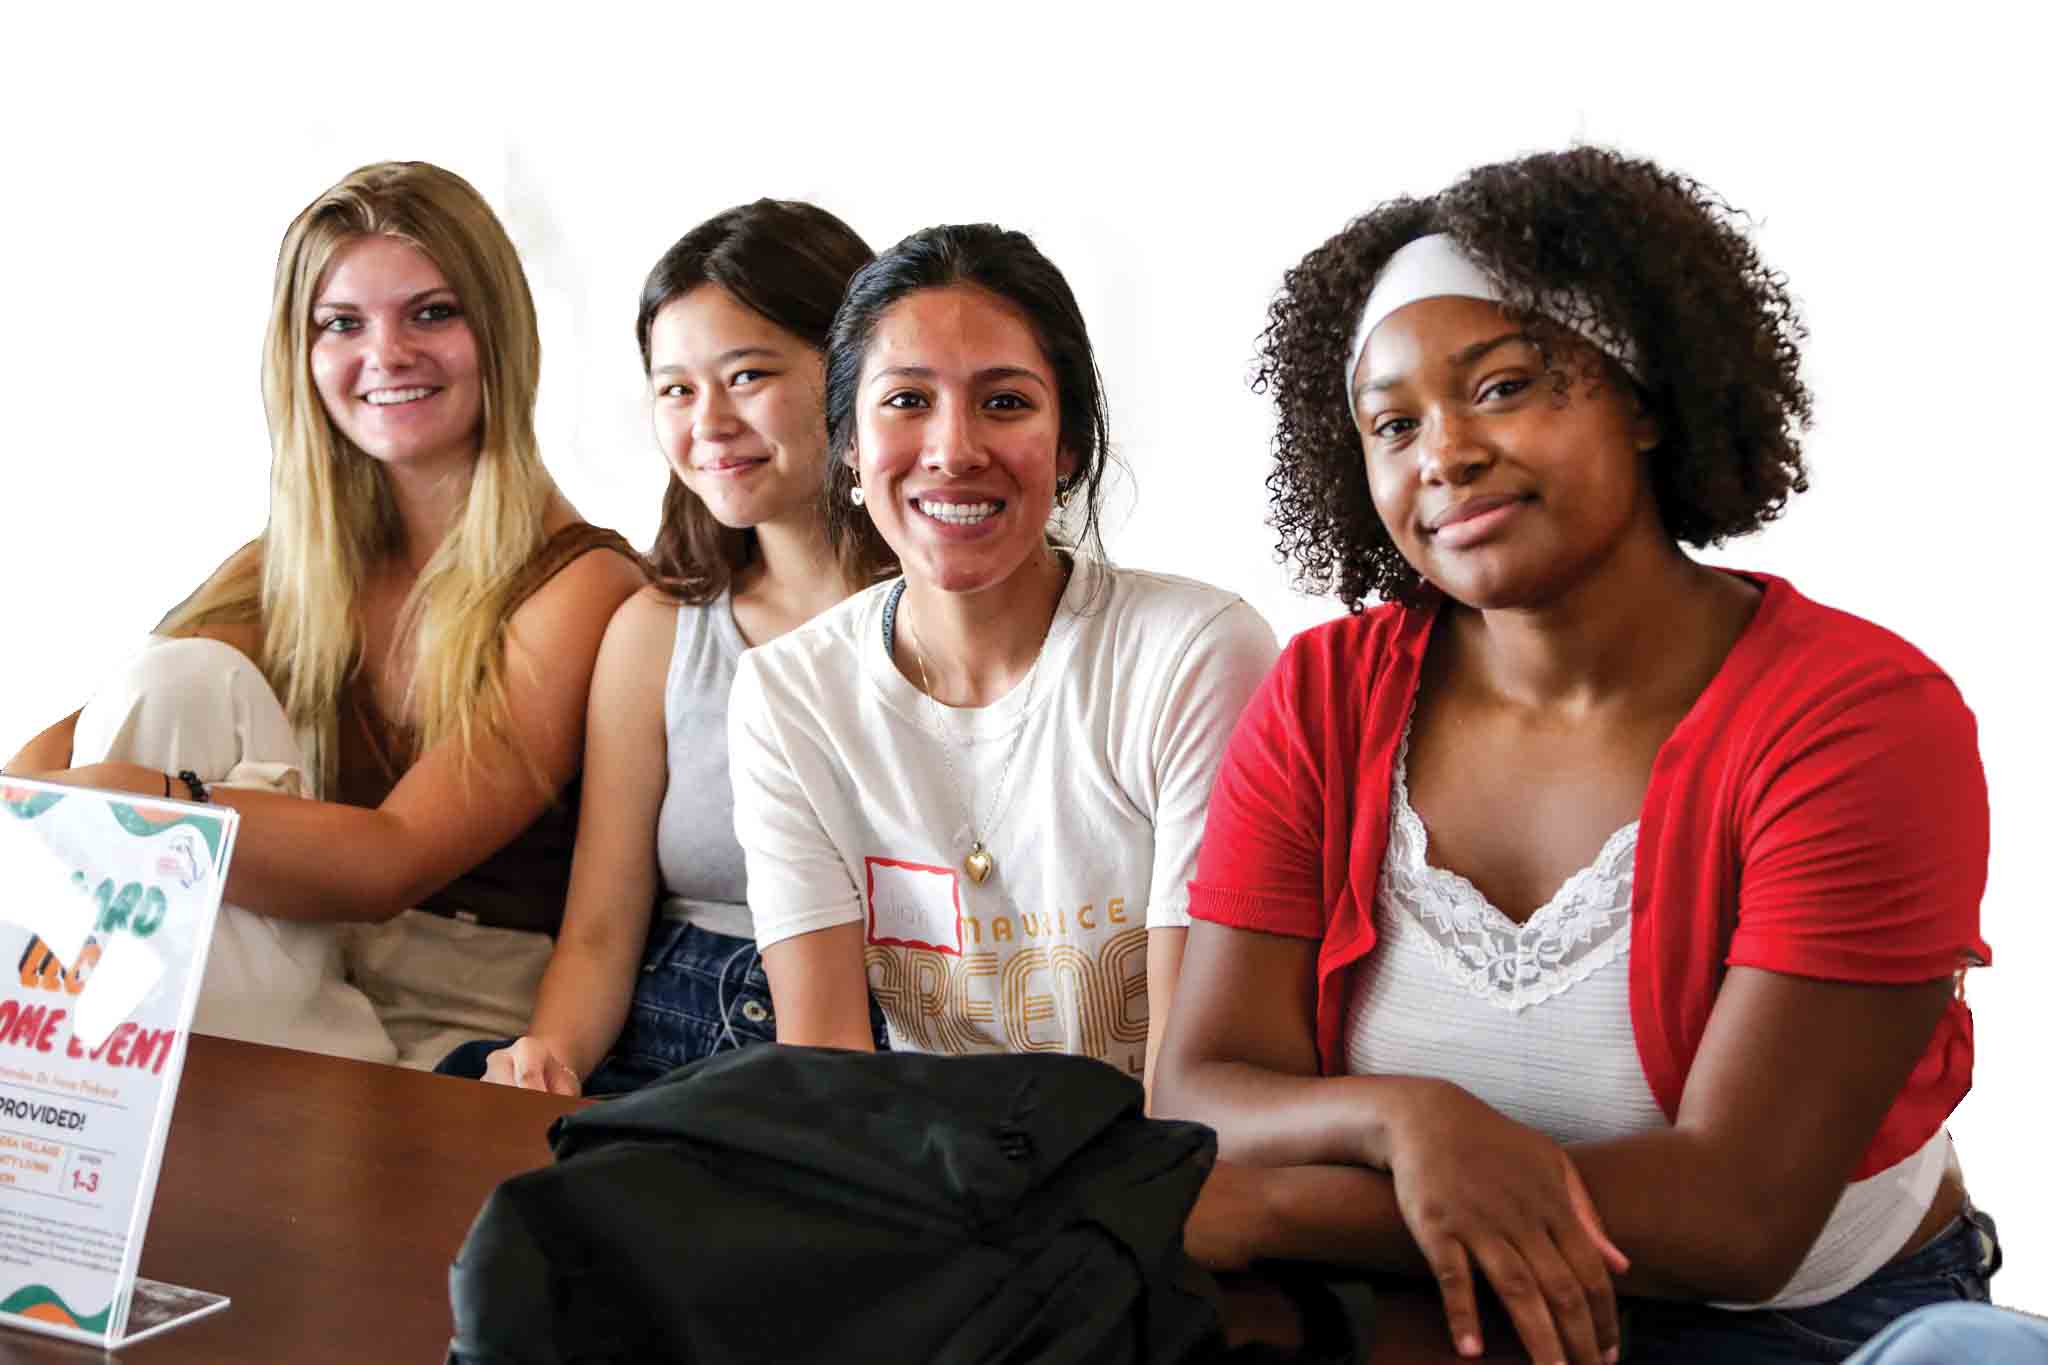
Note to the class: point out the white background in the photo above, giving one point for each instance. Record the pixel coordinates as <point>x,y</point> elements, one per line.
<point>1173,166</point>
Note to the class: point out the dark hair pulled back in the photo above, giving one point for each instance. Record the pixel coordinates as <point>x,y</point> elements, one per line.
<point>1010,266</point>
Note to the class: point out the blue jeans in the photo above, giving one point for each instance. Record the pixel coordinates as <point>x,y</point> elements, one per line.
<point>1949,1333</point>
<point>1956,1266</point>
<point>697,993</point>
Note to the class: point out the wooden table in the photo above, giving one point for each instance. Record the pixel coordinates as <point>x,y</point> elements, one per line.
<point>327,1198</point>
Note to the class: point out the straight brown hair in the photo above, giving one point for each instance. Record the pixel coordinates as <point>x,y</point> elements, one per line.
<point>790,262</point>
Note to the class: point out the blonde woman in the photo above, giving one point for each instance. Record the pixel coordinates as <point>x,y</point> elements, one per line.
<point>410,642</point>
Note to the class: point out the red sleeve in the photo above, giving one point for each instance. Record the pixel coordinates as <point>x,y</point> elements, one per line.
<point>1261,865</point>
<point>1864,855</point>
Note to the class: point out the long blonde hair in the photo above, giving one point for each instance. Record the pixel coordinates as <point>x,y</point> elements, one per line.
<point>332,515</point>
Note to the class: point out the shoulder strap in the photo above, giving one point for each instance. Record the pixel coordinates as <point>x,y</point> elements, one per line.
<point>562,549</point>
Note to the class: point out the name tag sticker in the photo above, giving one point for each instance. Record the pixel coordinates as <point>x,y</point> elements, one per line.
<point>913,905</point>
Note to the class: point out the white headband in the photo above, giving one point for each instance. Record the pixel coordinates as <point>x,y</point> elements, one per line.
<point>1435,266</point>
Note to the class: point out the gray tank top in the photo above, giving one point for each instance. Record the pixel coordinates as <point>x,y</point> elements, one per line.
<point>703,871</point>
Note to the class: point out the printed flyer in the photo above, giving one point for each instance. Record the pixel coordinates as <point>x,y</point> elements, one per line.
<point>107,906</point>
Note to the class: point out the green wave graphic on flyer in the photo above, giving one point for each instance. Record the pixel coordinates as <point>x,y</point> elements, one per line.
<point>142,827</point>
<point>28,808</point>
<point>45,1304</point>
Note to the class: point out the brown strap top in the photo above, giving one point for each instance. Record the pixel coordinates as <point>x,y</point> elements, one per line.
<point>524,884</point>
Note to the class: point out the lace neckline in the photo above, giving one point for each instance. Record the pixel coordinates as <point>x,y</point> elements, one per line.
<point>1582,927</point>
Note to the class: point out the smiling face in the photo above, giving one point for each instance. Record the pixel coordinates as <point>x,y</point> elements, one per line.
<point>738,407</point>
<point>957,437</point>
<point>393,358</point>
<point>1496,489</point>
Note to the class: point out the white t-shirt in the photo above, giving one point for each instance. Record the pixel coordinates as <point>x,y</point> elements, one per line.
<point>847,811</point>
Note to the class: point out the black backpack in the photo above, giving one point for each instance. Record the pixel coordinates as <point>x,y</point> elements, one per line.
<point>788,1204</point>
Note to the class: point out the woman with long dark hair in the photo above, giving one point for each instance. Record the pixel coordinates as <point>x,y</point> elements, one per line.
<point>656,963</point>
<point>975,792</point>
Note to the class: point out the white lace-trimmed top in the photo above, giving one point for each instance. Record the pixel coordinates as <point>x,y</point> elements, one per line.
<point>1533,1019</point>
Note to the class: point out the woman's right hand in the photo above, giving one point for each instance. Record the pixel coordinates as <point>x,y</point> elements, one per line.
<point>1476,1188</point>
<point>532,1065</point>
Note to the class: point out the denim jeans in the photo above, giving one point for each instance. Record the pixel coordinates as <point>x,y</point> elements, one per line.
<point>697,993</point>
<point>1956,1266</point>
<point>1951,1332</point>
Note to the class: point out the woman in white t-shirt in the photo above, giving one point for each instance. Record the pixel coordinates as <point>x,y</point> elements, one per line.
<point>977,791</point>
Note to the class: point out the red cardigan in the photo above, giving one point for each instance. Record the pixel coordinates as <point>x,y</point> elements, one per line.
<point>1820,811</point>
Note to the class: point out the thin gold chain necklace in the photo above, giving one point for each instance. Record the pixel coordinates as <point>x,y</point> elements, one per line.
<point>979,862</point>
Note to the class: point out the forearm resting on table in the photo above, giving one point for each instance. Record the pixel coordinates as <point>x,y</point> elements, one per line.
<point>1692,1227</point>
<point>1341,1215</point>
<point>1265,1117</point>
<point>1347,1215</point>
<point>295,859</point>
<point>324,861</point>
<point>1321,1140</point>
<point>1690,1231</point>
<point>1294,1150</point>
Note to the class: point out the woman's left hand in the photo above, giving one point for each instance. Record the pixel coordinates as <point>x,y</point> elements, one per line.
<point>1486,1197</point>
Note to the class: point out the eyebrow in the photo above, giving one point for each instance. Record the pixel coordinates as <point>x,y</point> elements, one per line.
<point>979,376</point>
<point>1459,360</point>
<point>421,297</point>
<point>723,359</point>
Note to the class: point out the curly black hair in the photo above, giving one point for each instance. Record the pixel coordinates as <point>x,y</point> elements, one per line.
<point>1585,238</point>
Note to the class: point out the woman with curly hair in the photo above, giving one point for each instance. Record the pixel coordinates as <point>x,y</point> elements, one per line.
<point>410,642</point>
<point>1584,920</point>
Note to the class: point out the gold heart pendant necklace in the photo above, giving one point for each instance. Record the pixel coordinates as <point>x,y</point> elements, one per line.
<point>979,864</point>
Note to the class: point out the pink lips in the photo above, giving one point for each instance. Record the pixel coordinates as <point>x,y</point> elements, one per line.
<point>1470,508</point>
<point>1473,520</point>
